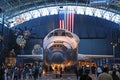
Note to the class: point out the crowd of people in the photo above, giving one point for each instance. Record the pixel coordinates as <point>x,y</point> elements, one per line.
<point>100,72</point>
<point>26,72</point>
<point>35,71</point>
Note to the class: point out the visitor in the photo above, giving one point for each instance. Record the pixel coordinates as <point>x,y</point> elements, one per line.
<point>99,70</point>
<point>105,75</point>
<point>85,76</point>
<point>114,76</point>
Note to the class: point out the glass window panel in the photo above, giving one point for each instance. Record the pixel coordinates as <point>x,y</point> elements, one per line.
<point>107,15</point>
<point>27,16</point>
<point>116,18</point>
<point>35,13</point>
<point>89,11</point>
<point>53,10</point>
<point>80,10</point>
<point>44,12</point>
<point>98,13</point>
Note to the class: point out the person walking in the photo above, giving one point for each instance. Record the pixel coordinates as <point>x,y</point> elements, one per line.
<point>99,70</point>
<point>114,76</point>
<point>80,71</point>
<point>1,73</point>
<point>36,72</point>
<point>40,71</point>
<point>85,76</point>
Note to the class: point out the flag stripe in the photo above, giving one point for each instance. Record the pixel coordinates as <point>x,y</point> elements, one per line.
<point>66,20</point>
<point>59,23</point>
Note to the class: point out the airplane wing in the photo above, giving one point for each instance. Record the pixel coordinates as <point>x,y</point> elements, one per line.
<point>80,56</point>
<point>40,57</point>
<point>89,57</point>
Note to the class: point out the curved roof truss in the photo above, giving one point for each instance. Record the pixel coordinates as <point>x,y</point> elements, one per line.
<point>46,11</point>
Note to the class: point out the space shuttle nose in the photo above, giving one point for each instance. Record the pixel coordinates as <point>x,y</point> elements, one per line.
<point>57,57</point>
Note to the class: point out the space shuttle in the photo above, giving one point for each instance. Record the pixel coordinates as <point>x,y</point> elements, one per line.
<point>60,46</point>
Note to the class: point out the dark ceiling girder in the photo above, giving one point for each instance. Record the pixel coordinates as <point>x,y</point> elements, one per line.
<point>21,3</point>
<point>36,6</point>
<point>8,3</point>
<point>45,2</point>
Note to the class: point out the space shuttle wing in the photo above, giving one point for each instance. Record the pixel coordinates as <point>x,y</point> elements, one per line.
<point>40,57</point>
<point>89,57</point>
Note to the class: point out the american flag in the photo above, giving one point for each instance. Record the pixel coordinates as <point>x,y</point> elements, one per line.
<point>66,19</point>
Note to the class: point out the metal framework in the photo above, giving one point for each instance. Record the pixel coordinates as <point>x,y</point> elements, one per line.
<point>18,11</point>
<point>52,10</point>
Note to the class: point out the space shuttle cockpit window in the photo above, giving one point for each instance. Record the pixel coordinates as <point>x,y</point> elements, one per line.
<point>69,35</point>
<point>63,33</point>
<point>50,35</point>
<point>59,33</point>
<point>55,33</point>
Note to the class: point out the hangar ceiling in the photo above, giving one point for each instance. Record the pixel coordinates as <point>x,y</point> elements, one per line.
<point>12,8</point>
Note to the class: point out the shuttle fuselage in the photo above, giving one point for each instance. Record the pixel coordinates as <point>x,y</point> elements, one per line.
<point>60,47</point>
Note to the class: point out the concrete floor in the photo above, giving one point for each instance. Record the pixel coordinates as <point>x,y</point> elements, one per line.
<point>68,76</point>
